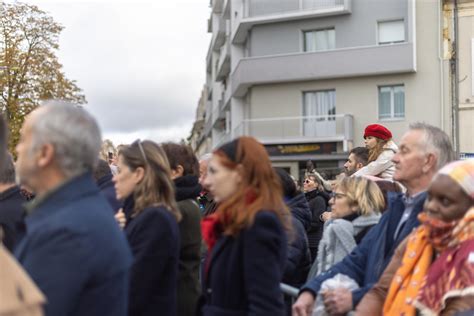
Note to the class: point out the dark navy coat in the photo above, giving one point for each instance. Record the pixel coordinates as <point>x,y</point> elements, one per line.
<point>12,214</point>
<point>75,252</point>
<point>244,273</point>
<point>369,259</point>
<point>154,239</point>
<point>299,259</point>
<point>107,188</point>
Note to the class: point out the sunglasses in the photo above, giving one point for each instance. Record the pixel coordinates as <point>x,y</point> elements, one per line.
<point>307,181</point>
<point>139,143</point>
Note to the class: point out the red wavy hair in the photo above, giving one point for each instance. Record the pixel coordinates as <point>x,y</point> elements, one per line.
<point>259,190</point>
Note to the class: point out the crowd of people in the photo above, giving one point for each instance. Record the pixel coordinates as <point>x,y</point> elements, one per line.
<point>162,232</point>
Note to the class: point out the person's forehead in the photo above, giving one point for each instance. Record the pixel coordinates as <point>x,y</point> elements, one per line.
<point>445,185</point>
<point>411,138</point>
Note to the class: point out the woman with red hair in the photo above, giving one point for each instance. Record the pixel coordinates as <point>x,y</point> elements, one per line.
<point>246,237</point>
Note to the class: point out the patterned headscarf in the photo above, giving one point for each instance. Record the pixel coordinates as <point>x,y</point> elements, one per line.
<point>462,172</point>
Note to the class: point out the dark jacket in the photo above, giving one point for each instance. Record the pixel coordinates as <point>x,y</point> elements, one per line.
<point>244,272</point>
<point>189,289</point>
<point>318,203</point>
<point>153,235</point>
<point>75,252</point>
<point>107,188</point>
<point>369,259</point>
<point>299,259</point>
<point>12,216</point>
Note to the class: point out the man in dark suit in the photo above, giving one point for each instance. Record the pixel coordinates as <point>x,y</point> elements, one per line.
<point>73,248</point>
<point>103,177</point>
<point>11,205</point>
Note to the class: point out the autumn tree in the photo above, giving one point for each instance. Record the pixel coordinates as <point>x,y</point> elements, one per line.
<point>29,68</point>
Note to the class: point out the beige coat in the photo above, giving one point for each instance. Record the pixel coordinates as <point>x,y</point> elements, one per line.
<point>18,294</point>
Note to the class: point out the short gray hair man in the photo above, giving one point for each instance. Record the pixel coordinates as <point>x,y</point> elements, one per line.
<point>58,137</point>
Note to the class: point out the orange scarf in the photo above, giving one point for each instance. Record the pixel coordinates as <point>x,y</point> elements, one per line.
<point>410,279</point>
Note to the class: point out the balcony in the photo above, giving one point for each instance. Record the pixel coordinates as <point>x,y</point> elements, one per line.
<point>222,139</point>
<point>207,124</point>
<point>209,59</point>
<point>299,129</point>
<point>257,12</point>
<point>223,65</point>
<point>331,64</point>
<point>217,6</point>
<point>218,32</point>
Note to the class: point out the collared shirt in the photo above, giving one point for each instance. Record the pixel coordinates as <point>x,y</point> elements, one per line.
<point>409,202</point>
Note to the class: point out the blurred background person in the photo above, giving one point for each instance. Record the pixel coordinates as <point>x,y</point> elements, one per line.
<point>143,182</point>
<point>12,212</point>
<point>318,202</point>
<point>206,200</point>
<point>103,177</point>
<point>378,140</point>
<point>185,174</point>
<point>72,247</point>
<point>432,271</point>
<point>246,236</point>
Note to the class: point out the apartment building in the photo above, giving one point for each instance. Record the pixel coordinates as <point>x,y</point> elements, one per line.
<point>458,44</point>
<point>306,76</point>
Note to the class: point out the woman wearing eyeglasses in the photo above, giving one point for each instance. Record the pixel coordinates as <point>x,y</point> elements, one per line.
<point>144,182</point>
<point>356,205</point>
<point>246,236</point>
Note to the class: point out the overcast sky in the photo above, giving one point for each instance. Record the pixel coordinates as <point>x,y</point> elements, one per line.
<point>141,64</point>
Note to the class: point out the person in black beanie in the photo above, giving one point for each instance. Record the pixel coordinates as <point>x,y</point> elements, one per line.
<point>103,177</point>
<point>185,174</point>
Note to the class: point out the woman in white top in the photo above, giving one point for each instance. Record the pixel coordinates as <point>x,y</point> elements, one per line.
<point>378,140</point>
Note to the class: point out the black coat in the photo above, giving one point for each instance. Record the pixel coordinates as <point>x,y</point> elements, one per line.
<point>12,216</point>
<point>299,259</point>
<point>318,202</point>
<point>153,236</point>
<point>244,272</point>
<point>189,289</point>
<point>106,186</point>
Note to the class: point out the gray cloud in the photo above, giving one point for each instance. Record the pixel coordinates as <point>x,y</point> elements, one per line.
<point>141,64</point>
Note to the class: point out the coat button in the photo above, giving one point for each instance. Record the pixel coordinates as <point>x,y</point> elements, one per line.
<point>209,291</point>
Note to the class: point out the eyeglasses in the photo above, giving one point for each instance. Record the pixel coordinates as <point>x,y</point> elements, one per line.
<point>337,195</point>
<point>139,142</point>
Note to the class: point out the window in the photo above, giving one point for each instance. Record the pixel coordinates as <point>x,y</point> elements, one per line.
<point>391,102</point>
<point>390,32</point>
<point>319,109</point>
<point>319,40</point>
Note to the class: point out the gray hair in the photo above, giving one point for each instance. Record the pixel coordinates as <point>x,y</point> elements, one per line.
<point>74,134</point>
<point>435,141</point>
<point>7,171</point>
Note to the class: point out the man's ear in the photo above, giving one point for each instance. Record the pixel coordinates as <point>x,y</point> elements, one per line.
<point>46,155</point>
<point>430,163</point>
<point>359,165</point>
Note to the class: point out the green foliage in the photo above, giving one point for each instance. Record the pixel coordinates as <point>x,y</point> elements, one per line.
<point>29,69</point>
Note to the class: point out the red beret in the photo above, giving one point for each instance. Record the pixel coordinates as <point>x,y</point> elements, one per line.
<point>378,131</point>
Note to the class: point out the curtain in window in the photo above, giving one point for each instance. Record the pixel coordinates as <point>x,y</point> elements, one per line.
<point>399,102</point>
<point>384,103</point>
<point>320,40</point>
<point>319,104</point>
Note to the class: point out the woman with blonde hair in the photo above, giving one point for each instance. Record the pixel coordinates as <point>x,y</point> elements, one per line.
<point>356,205</point>
<point>246,236</point>
<point>144,182</point>
<point>378,140</point>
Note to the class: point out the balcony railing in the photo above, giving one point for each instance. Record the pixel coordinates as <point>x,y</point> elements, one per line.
<point>223,65</point>
<point>254,8</point>
<point>222,139</point>
<point>321,128</point>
